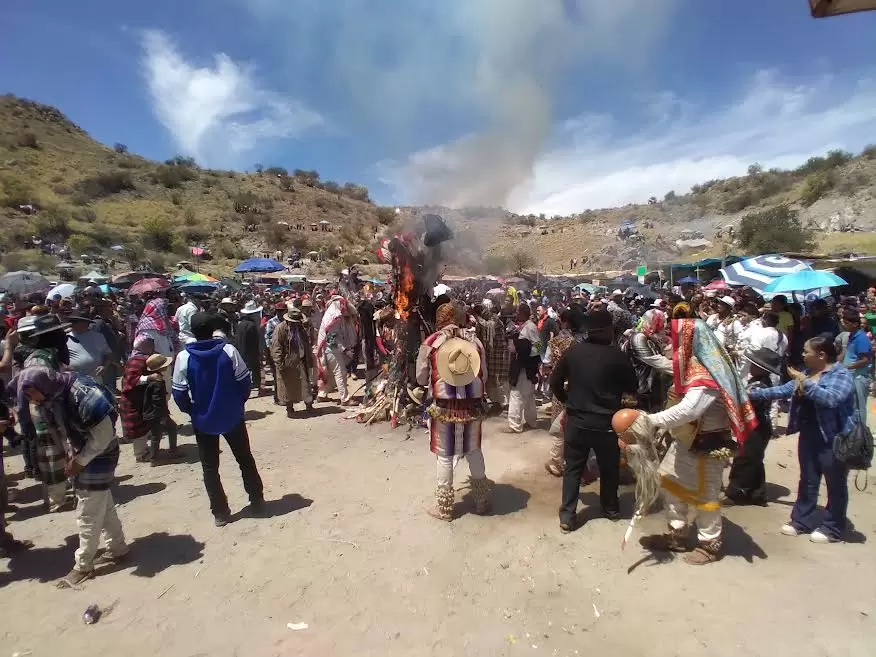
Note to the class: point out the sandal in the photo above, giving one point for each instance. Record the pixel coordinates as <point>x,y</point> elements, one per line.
<point>706,552</point>
<point>74,578</point>
<point>553,469</point>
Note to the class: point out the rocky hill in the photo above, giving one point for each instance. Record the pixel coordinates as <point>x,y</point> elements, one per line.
<point>60,186</point>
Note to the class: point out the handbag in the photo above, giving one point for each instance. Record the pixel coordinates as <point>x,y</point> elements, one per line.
<point>854,448</point>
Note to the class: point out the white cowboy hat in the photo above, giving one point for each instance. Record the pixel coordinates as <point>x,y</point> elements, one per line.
<point>251,308</point>
<point>228,301</point>
<point>458,362</point>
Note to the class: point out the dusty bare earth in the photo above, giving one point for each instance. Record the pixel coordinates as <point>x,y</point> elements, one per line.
<point>348,551</point>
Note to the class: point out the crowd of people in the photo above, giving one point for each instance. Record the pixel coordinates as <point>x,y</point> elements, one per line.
<point>707,371</point>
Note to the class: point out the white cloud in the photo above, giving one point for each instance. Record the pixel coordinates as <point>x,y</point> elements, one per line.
<point>597,163</point>
<point>217,113</point>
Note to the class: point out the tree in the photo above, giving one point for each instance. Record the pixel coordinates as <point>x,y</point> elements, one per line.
<point>259,168</point>
<point>775,230</point>
<point>869,152</point>
<point>79,244</point>
<point>755,169</point>
<point>158,233</point>
<point>815,186</point>
<point>521,260</point>
<point>119,148</point>
<point>670,196</point>
<point>276,171</point>
<point>386,216</point>
<point>52,223</point>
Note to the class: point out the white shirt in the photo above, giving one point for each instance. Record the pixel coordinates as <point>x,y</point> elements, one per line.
<point>183,317</point>
<point>767,337</point>
<point>697,404</point>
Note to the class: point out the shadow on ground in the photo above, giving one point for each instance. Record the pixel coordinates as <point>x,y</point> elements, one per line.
<point>124,493</point>
<point>159,551</point>
<point>289,503</point>
<point>41,564</point>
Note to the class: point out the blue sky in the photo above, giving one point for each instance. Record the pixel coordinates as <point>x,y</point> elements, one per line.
<point>542,106</point>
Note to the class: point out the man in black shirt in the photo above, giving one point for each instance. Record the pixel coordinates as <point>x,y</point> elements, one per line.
<point>590,380</point>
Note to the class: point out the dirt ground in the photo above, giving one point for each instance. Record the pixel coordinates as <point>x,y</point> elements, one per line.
<point>349,551</point>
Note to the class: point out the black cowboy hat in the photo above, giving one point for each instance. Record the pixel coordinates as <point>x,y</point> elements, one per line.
<point>766,359</point>
<point>46,324</point>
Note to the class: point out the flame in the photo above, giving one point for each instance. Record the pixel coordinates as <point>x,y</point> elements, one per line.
<point>404,295</point>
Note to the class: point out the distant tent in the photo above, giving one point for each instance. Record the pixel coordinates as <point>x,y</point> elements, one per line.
<point>95,275</point>
<point>825,8</point>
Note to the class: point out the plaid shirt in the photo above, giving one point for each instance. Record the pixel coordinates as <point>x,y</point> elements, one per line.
<point>833,395</point>
<point>270,327</point>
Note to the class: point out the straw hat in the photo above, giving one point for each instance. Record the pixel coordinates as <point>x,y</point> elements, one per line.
<point>294,315</point>
<point>157,363</point>
<point>458,362</point>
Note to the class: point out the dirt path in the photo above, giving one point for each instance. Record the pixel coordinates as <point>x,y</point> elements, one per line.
<point>349,551</point>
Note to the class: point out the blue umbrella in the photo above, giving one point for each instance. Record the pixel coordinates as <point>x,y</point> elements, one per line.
<point>259,265</point>
<point>801,281</point>
<point>760,271</point>
<point>687,279</point>
<point>199,287</point>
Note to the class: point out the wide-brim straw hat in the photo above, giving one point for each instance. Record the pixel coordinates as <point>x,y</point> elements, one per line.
<point>157,363</point>
<point>251,308</point>
<point>458,362</point>
<point>294,315</point>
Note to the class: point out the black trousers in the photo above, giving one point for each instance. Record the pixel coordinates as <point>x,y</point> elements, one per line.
<point>30,453</point>
<point>747,474</point>
<point>576,451</point>
<point>208,448</point>
<point>157,429</point>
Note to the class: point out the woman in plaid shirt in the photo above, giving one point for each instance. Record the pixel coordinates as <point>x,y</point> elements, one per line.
<point>822,406</point>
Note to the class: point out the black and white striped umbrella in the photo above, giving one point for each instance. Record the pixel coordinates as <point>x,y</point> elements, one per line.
<point>760,271</point>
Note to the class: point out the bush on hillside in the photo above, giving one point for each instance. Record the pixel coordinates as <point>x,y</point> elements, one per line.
<point>193,235</point>
<point>176,199</point>
<point>755,169</point>
<point>286,184</point>
<point>103,185</point>
<point>28,140</point>
<point>80,244</point>
<point>133,254</point>
<point>832,160</point>
<point>189,217</point>
<point>521,260</point>
<point>180,161</point>
<point>230,250</point>
<point>276,171</point>
<point>85,215</point>
<point>17,193</point>
<point>670,196</point>
<point>51,223</point>
<point>775,230</point>
<point>815,186</point>
<point>276,235</point>
<point>738,202</point>
<point>120,148</point>
<point>385,216</point>
<point>309,178</point>
<point>358,192</point>
<point>869,152</point>
<point>173,175</point>
<point>158,233</point>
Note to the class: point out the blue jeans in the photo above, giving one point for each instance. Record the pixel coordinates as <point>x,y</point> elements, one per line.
<point>817,460</point>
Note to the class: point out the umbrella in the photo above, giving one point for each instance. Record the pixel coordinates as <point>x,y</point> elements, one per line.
<point>23,282</point>
<point>825,8</point>
<point>65,290</point>
<point>107,289</point>
<point>197,251</point>
<point>193,277</point>
<point>760,271</point>
<point>95,275</point>
<point>496,290</point>
<point>134,276</point>
<point>148,285</point>
<point>590,288</point>
<point>231,284</point>
<point>805,280</point>
<point>688,279</point>
<point>259,265</point>
<point>719,284</point>
<point>204,287</point>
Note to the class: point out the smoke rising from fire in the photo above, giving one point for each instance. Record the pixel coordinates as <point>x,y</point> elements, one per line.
<point>493,68</point>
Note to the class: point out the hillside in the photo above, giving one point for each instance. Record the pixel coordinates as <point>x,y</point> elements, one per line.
<point>835,197</point>
<point>60,185</point>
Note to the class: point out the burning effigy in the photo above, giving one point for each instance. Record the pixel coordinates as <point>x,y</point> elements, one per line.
<point>415,257</point>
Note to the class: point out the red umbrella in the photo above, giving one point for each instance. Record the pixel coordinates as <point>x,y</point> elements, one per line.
<point>148,285</point>
<point>719,284</point>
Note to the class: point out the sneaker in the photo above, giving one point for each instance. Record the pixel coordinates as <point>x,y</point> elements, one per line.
<point>790,530</point>
<point>222,520</point>
<point>612,515</point>
<point>822,537</point>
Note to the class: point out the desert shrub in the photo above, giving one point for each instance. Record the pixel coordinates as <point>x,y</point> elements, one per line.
<point>332,187</point>
<point>832,160</point>
<point>52,223</point>
<point>738,202</point>
<point>521,260</point>
<point>80,244</point>
<point>755,169</point>
<point>194,235</point>
<point>309,178</point>
<point>133,254</point>
<point>358,192</point>
<point>385,216</point>
<point>869,152</point>
<point>62,190</point>
<point>85,215</point>
<point>230,250</point>
<point>174,175</point>
<point>286,184</point>
<point>815,186</point>
<point>176,199</point>
<point>276,235</point>
<point>670,196</point>
<point>17,193</point>
<point>28,140</point>
<point>158,233</point>
<point>120,148</point>
<point>105,184</point>
<point>189,217</point>
<point>181,161</point>
<point>276,171</point>
<point>323,204</point>
<point>128,162</point>
<point>775,230</point>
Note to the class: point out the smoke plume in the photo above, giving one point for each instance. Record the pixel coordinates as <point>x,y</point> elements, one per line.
<point>493,68</point>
